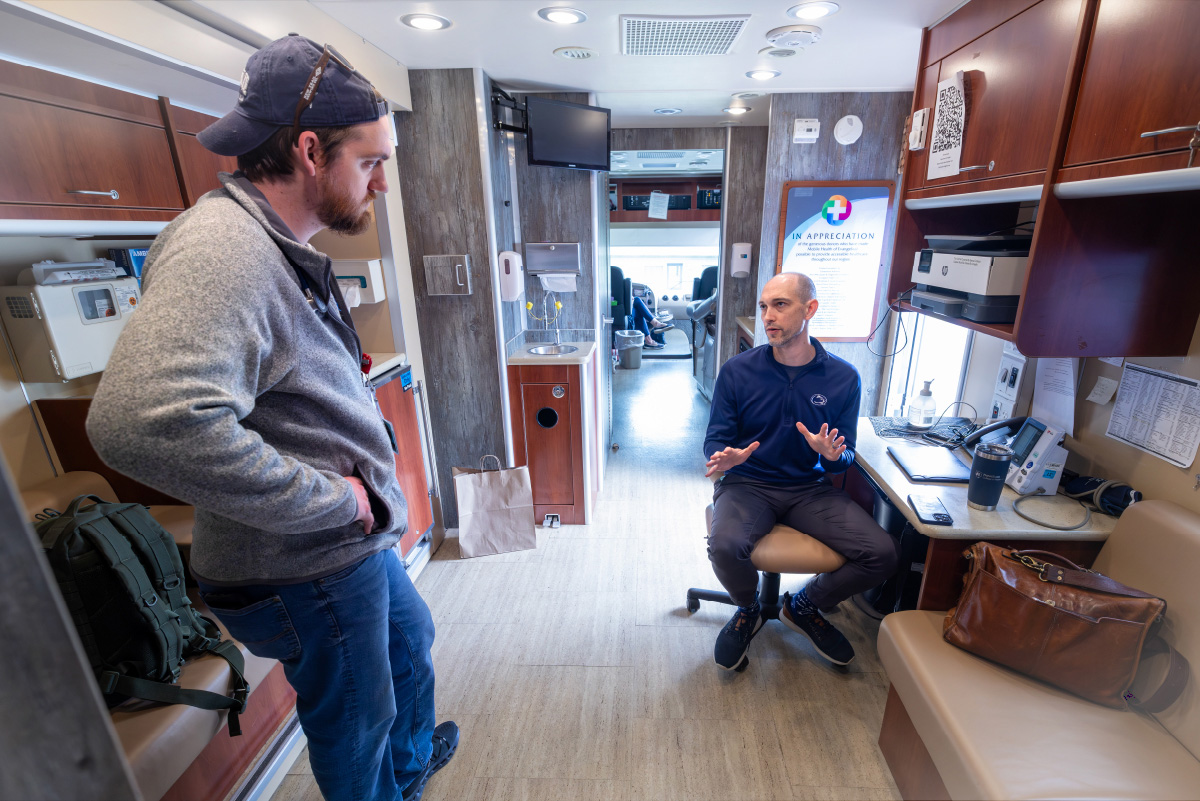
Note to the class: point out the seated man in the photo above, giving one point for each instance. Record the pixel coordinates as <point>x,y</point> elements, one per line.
<point>784,416</point>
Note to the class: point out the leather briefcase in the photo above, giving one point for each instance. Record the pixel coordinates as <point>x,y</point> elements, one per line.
<point>1041,614</point>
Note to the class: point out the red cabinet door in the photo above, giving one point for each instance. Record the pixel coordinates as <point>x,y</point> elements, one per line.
<point>1142,74</point>
<point>1014,78</point>
<point>400,408</point>
<point>546,412</point>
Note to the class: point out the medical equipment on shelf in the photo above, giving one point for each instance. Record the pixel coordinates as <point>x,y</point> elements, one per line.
<point>63,319</point>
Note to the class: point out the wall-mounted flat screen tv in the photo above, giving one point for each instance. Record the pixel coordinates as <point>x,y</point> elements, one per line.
<point>561,134</point>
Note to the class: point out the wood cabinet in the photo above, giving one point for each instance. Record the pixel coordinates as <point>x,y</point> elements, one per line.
<point>80,151</point>
<point>399,406</point>
<point>1106,276</point>
<point>66,157</point>
<point>196,166</point>
<point>1142,74</point>
<point>687,192</point>
<point>546,407</point>
<point>1013,77</point>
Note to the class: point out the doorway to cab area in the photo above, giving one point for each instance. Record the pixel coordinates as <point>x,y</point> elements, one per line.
<point>664,245</point>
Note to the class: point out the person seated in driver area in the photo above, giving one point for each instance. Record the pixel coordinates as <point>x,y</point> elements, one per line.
<point>784,417</point>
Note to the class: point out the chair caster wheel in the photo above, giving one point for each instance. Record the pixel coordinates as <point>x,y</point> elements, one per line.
<point>693,604</point>
<point>742,667</point>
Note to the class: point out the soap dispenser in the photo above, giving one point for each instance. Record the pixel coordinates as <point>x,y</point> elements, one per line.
<point>922,411</point>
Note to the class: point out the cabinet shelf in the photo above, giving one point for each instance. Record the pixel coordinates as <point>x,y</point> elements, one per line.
<point>1015,194</point>
<point>1150,183</point>
<point>999,330</point>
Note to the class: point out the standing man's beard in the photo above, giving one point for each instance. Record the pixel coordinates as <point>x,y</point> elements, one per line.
<point>339,212</point>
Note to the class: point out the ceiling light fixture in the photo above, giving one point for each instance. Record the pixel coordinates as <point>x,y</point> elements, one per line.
<point>747,95</point>
<point>668,111</point>
<point>737,110</point>
<point>763,75</point>
<point>813,10</point>
<point>425,22</point>
<point>562,16</point>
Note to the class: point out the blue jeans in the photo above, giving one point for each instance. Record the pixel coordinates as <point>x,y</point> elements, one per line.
<point>355,647</point>
<point>642,316</point>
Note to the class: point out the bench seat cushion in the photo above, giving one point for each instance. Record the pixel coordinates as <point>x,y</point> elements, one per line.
<point>160,742</point>
<point>996,734</point>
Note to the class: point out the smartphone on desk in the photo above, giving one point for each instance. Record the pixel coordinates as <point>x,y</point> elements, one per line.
<point>929,510</point>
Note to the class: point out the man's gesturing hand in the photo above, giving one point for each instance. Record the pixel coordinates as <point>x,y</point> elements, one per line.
<point>730,457</point>
<point>825,442</point>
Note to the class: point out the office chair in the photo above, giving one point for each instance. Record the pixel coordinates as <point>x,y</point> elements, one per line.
<point>782,550</point>
<point>622,295</point>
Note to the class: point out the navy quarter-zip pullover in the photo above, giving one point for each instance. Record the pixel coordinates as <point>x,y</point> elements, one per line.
<point>754,399</point>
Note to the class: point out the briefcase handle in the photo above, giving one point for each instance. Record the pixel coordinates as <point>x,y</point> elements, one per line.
<point>1072,574</point>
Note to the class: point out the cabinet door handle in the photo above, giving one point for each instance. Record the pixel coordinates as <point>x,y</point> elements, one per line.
<point>1177,129</point>
<point>457,280</point>
<point>608,320</point>
<point>111,192</point>
<point>991,165</point>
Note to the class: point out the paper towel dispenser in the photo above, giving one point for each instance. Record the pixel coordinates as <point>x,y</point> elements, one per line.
<point>552,258</point>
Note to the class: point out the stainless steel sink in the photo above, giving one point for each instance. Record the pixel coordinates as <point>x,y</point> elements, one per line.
<point>552,350</point>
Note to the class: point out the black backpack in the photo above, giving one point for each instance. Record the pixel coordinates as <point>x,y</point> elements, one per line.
<point>122,579</point>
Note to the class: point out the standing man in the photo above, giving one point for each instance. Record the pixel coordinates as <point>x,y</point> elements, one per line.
<point>238,387</point>
<point>784,417</point>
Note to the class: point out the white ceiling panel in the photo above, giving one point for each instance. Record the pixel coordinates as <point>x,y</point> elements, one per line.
<point>868,45</point>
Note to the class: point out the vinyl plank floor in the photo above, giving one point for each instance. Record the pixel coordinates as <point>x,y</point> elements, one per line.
<point>575,672</point>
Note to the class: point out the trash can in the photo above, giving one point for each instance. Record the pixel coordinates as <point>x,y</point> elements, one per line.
<point>629,347</point>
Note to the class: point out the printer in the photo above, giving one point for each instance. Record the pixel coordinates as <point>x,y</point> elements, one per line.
<point>976,278</point>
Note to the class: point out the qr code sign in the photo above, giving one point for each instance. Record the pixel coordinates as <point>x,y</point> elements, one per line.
<point>948,133</point>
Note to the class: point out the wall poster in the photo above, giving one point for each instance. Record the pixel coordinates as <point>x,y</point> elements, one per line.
<point>833,232</point>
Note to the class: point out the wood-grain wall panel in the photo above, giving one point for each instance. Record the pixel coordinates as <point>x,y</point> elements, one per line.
<point>668,138</point>
<point>444,213</point>
<point>875,156</point>
<point>556,206</point>
<point>742,201</point>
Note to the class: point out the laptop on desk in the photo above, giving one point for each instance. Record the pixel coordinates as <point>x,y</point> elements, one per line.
<point>927,463</point>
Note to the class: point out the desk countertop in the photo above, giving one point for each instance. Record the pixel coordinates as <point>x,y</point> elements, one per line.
<point>1004,523</point>
<point>747,325</point>
<point>581,356</point>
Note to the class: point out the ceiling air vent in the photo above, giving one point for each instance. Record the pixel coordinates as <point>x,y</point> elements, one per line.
<point>660,154</point>
<point>574,53</point>
<point>647,35</point>
<point>659,165</point>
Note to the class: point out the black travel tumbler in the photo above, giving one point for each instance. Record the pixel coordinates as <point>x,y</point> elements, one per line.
<point>989,468</point>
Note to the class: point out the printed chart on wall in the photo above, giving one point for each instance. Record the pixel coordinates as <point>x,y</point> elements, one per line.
<point>833,232</point>
<point>1159,413</point>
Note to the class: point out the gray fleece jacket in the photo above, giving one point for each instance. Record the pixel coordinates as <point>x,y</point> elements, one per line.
<point>229,391</point>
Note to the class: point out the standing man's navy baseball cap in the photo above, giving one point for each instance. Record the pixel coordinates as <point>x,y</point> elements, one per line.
<point>293,82</point>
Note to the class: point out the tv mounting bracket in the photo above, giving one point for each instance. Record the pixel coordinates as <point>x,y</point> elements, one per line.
<point>502,99</point>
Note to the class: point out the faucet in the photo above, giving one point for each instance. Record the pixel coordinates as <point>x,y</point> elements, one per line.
<point>546,315</point>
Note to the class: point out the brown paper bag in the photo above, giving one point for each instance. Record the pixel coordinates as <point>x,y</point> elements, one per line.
<point>495,509</point>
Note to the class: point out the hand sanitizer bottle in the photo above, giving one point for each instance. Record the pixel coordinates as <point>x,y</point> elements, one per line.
<point>922,411</point>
